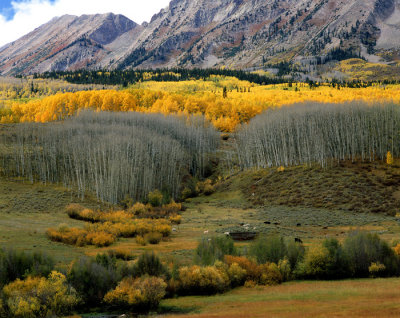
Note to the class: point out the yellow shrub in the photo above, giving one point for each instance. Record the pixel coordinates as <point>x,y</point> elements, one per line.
<point>397,249</point>
<point>237,275</point>
<point>155,198</point>
<point>71,236</point>
<point>138,209</point>
<point>175,219</point>
<point>74,209</point>
<point>153,237</point>
<point>253,270</point>
<point>389,158</point>
<point>270,274</point>
<point>100,239</point>
<point>202,280</point>
<point>206,187</point>
<point>172,208</point>
<point>144,293</point>
<point>376,269</point>
<point>140,240</point>
<point>40,297</point>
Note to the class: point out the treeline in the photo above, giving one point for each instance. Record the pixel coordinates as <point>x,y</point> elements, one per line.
<point>113,155</point>
<point>126,77</point>
<point>319,133</point>
<point>23,88</point>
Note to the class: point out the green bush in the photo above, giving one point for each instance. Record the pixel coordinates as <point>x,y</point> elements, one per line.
<point>268,249</point>
<point>294,253</point>
<point>155,198</point>
<point>93,279</point>
<point>316,263</point>
<point>214,249</point>
<point>362,249</point>
<point>338,266</point>
<point>15,264</point>
<point>151,265</point>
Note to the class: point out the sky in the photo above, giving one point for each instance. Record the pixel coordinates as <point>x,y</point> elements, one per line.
<point>19,17</point>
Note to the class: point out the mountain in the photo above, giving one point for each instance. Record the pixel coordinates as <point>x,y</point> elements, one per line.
<point>67,43</point>
<point>212,33</point>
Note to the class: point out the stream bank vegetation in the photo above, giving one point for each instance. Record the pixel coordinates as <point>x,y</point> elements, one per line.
<point>139,286</point>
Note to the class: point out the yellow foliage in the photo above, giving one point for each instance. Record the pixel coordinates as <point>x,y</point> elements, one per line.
<point>397,249</point>
<point>40,297</point>
<point>376,269</point>
<point>389,158</point>
<point>145,292</point>
<point>194,97</point>
<point>281,169</point>
<point>196,279</point>
<point>175,219</point>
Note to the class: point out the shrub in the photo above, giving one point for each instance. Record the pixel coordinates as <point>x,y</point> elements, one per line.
<point>40,297</point>
<point>206,187</point>
<point>253,271</point>
<point>196,280</point>
<point>362,249</point>
<point>92,280</point>
<point>150,264</point>
<point>389,158</point>
<point>237,275</point>
<point>71,236</point>
<point>138,209</point>
<point>397,249</point>
<point>210,250</point>
<point>153,237</point>
<point>121,253</point>
<point>141,294</point>
<point>172,207</point>
<point>175,219</point>
<point>140,240</point>
<point>285,269</point>
<point>100,239</point>
<point>15,264</point>
<point>376,269</point>
<point>338,267</point>
<point>73,210</point>
<point>155,198</point>
<point>294,253</point>
<point>270,274</point>
<point>268,249</point>
<point>316,264</point>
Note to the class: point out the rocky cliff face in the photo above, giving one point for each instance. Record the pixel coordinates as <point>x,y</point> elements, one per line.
<point>65,43</point>
<point>209,33</point>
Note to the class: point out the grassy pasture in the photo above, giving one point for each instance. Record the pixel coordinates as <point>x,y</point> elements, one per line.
<point>353,298</point>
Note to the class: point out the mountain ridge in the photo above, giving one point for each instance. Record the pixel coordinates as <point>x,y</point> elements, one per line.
<point>240,34</point>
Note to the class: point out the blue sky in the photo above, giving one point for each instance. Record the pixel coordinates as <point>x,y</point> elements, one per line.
<point>19,17</point>
<point>6,9</point>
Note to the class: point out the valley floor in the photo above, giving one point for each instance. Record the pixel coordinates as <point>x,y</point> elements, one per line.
<point>352,298</point>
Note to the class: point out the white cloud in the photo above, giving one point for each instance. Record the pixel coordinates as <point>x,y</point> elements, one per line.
<point>30,14</point>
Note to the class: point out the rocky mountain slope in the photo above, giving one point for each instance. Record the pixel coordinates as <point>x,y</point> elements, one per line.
<point>211,33</point>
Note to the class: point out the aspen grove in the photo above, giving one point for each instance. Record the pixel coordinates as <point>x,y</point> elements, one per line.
<point>319,133</point>
<point>113,155</point>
